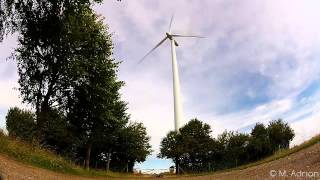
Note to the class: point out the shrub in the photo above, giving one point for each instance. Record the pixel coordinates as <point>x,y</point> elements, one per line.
<point>20,123</point>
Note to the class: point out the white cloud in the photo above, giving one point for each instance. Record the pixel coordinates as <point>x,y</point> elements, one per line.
<point>306,128</point>
<point>253,50</point>
<point>146,104</point>
<point>257,57</point>
<point>8,73</point>
<point>9,95</point>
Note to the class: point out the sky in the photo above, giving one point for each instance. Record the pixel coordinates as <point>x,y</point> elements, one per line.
<point>260,61</point>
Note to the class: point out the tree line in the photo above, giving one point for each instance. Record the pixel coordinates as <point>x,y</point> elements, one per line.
<point>194,150</point>
<point>69,77</point>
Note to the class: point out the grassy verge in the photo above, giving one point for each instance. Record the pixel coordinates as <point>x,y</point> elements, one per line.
<point>282,153</point>
<point>278,155</point>
<point>42,158</point>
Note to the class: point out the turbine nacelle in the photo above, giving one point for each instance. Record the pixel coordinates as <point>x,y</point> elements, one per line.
<point>169,36</point>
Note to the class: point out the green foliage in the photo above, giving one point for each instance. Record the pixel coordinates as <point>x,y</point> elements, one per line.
<point>20,123</point>
<point>56,134</point>
<point>132,146</point>
<point>194,150</point>
<point>136,142</point>
<point>230,149</point>
<point>190,148</point>
<point>171,148</point>
<point>259,143</point>
<point>93,103</point>
<point>67,74</point>
<point>236,148</point>
<point>280,134</point>
<point>195,141</point>
<point>17,15</point>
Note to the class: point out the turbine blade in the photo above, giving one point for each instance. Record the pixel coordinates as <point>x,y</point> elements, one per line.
<point>194,36</point>
<point>164,39</point>
<point>171,22</point>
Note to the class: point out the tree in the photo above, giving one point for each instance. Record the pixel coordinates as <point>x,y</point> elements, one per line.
<point>196,142</point>
<point>171,148</point>
<point>216,155</point>
<point>67,73</point>
<point>191,148</point>
<point>94,105</point>
<point>195,150</point>
<point>280,134</point>
<point>237,148</point>
<point>234,149</point>
<point>57,134</point>
<point>21,123</point>
<point>132,146</point>
<point>259,144</point>
<point>49,47</point>
<point>12,13</point>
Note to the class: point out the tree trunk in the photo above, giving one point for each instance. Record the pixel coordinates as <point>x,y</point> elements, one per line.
<point>87,160</point>
<point>127,168</point>
<point>108,161</point>
<point>177,166</point>
<point>42,121</point>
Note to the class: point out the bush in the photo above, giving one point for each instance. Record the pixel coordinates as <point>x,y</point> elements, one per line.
<point>20,123</point>
<point>280,134</point>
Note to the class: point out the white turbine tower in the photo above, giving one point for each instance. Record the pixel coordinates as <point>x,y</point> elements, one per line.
<point>175,72</point>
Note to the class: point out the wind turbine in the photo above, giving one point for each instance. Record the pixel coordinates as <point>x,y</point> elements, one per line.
<point>175,72</point>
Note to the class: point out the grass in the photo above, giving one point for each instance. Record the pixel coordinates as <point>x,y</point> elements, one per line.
<point>39,157</point>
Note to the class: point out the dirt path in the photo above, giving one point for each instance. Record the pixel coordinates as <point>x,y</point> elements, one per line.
<point>13,170</point>
<point>295,166</point>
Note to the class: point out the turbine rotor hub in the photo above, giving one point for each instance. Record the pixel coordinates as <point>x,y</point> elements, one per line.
<point>169,35</point>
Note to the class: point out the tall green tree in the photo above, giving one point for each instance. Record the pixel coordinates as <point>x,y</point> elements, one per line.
<point>67,73</point>
<point>49,46</point>
<point>94,103</point>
